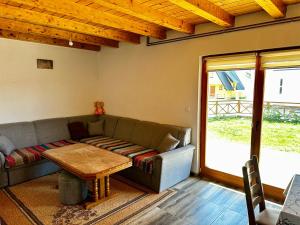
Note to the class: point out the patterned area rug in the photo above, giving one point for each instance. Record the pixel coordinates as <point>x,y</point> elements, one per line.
<point>36,202</point>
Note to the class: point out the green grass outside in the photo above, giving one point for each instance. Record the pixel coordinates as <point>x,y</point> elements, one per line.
<point>276,135</point>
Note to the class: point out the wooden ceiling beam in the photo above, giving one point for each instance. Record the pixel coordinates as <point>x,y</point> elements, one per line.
<point>17,26</point>
<point>206,10</point>
<point>95,16</point>
<point>132,8</point>
<point>29,16</point>
<point>44,40</point>
<point>275,8</point>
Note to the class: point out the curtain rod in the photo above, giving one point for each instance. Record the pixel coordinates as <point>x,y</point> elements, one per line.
<point>228,30</point>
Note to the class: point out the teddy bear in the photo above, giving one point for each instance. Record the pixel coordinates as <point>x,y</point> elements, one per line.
<point>99,108</point>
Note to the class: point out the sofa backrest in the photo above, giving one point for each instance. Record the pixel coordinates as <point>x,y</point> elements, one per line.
<point>21,134</point>
<point>185,136</point>
<point>84,119</point>
<point>145,133</point>
<point>109,124</point>
<point>26,134</point>
<point>124,128</point>
<point>51,130</point>
<point>161,130</point>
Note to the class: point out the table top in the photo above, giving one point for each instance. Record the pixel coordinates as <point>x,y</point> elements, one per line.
<point>290,213</point>
<point>86,161</point>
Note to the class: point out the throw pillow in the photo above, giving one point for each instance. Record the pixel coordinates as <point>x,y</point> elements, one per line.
<point>96,128</point>
<point>168,143</point>
<point>78,130</point>
<point>6,146</point>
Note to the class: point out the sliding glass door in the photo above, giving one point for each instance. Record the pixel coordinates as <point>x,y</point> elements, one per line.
<point>250,105</point>
<point>280,143</point>
<point>230,100</point>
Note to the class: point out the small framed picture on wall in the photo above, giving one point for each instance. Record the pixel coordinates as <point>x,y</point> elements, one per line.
<point>45,64</point>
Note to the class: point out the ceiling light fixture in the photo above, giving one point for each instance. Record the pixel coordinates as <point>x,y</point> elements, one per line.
<point>71,42</point>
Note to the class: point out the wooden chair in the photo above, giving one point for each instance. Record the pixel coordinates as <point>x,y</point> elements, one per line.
<point>255,196</point>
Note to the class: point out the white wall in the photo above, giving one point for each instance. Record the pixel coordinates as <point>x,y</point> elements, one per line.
<point>160,83</point>
<point>28,93</point>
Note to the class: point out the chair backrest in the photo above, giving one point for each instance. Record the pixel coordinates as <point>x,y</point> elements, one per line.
<point>253,188</point>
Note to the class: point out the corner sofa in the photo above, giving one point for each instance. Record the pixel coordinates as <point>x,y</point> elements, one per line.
<point>34,137</point>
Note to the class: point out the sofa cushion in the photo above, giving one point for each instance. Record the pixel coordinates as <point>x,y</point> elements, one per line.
<point>31,154</point>
<point>78,130</point>
<point>109,124</point>
<point>125,128</point>
<point>96,128</point>
<point>6,146</point>
<point>160,132</point>
<point>135,131</point>
<point>15,132</point>
<point>51,130</point>
<point>141,157</point>
<point>168,143</point>
<point>84,119</point>
<point>142,133</point>
<point>106,142</point>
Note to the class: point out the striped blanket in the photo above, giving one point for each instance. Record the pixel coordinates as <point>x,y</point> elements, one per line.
<point>141,157</point>
<point>33,153</point>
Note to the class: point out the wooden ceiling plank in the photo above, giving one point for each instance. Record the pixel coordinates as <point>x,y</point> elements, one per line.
<point>132,8</point>
<point>98,16</point>
<point>206,10</point>
<point>44,40</point>
<point>23,15</point>
<point>17,26</point>
<point>275,8</point>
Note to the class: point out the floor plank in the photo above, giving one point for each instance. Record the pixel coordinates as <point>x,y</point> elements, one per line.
<point>200,202</point>
<point>158,216</point>
<point>230,217</point>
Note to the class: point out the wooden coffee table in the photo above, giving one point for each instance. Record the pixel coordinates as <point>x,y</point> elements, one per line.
<point>91,164</point>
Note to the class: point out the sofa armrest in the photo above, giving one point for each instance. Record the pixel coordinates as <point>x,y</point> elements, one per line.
<point>173,166</point>
<point>177,153</point>
<point>2,161</point>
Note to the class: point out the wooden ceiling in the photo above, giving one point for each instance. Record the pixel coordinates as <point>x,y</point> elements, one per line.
<point>90,24</point>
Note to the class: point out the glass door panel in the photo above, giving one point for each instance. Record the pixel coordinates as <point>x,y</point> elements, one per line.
<point>280,143</point>
<point>230,103</point>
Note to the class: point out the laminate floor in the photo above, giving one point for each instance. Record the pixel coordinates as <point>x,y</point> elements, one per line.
<point>200,202</point>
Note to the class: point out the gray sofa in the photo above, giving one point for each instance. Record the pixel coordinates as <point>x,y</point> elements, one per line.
<point>168,168</point>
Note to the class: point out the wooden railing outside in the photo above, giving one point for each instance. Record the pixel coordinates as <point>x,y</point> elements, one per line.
<point>245,107</point>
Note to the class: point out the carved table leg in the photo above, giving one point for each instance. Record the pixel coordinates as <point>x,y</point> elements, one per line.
<point>107,187</point>
<point>102,188</point>
<point>96,197</point>
<point>101,191</point>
